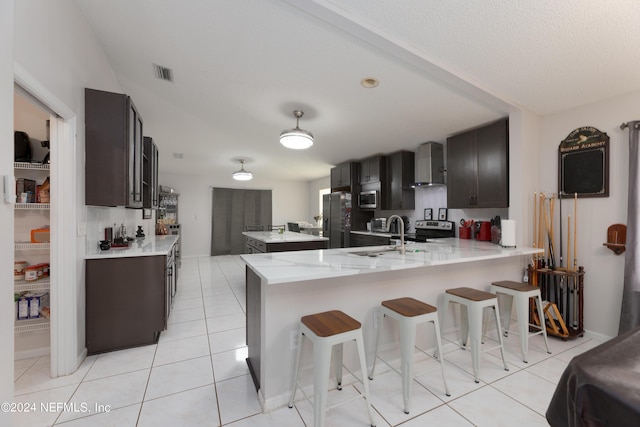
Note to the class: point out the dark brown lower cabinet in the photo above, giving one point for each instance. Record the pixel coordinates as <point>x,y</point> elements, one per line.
<point>255,246</point>
<point>362,240</point>
<point>125,302</point>
<point>254,324</point>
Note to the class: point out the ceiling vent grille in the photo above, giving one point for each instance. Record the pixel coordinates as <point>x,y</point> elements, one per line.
<point>163,73</point>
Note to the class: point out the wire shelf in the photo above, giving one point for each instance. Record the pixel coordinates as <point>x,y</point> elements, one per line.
<point>25,206</point>
<point>32,325</point>
<point>23,285</point>
<point>32,166</point>
<point>24,246</point>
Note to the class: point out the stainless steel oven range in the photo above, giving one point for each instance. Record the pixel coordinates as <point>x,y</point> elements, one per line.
<point>433,229</point>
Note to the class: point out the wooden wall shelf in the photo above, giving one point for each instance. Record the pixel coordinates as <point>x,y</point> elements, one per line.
<point>617,238</point>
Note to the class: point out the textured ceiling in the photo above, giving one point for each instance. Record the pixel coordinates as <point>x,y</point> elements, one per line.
<point>241,67</point>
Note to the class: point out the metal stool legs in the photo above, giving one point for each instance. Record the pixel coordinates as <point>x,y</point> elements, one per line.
<point>408,325</point>
<point>328,340</point>
<point>520,294</point>
<point>472,303</point>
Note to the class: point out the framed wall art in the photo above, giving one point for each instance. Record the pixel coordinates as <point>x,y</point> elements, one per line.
<point>583,163</point>
<point>442,214</point>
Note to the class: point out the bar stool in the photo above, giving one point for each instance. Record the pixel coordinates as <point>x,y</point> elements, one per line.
<point>520,294</point>
<point>326,330</point>
<point>410,313</point>
<point>473,302</point>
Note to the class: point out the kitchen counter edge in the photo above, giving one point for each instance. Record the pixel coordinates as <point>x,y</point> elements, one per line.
<point>150,246</point>
<point>288,267</point>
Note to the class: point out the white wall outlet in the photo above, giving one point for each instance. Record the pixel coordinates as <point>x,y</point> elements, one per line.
<point>294,339</point>
<point>525,278</point>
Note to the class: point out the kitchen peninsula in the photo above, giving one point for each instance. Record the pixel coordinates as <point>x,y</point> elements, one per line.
<point>274,241</point>
<point>282,287</point>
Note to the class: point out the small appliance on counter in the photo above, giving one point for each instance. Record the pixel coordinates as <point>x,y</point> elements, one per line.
<point>483,231</point>
<point>477,230</point>
<point>379,225</point>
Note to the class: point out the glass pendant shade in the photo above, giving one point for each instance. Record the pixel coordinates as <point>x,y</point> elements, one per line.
<point>296,138</point>
<point>242,174</point>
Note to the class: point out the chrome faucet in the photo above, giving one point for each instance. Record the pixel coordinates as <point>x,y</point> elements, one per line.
<point>402,249</point>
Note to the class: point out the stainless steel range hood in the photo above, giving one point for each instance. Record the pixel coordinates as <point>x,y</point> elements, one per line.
<point>429,164</point>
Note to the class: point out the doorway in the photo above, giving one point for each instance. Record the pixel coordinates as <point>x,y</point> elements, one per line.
<point>232,210</point>
<point>65,319</point>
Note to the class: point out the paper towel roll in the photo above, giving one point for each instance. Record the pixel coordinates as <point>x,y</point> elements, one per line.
<point>508,233</point>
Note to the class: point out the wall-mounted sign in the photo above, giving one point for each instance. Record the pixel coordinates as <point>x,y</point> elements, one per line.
<point>583,162</point>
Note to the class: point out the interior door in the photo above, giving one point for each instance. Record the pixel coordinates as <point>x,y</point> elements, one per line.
<point>233,209</point>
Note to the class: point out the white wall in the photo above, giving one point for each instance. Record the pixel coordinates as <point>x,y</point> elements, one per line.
<point>604,270</point>
<point>290,201</point>
<point>56,47</point>
<point>6,210</point>
<point>314,189</point>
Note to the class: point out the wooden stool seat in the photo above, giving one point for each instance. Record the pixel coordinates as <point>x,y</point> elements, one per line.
<point>519,295</point>
<point>330,323</point>
<point>328,331</point>
<point>471,294</point>
<point>473,302</point>
<point>408,313</point>
<point>409,307</point>
<point>516,286</point>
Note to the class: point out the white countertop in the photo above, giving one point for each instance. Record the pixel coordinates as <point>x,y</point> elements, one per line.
<point>150,246</point>
<point>285,267</point>
<point>285,237</point>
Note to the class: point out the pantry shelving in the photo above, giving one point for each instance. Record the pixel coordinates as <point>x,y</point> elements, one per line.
<point>29,216</point>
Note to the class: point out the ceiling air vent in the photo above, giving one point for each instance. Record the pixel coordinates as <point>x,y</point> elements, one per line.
<point>163,73</point>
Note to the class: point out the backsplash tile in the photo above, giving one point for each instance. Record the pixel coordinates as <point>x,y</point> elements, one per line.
<point>98,218</point>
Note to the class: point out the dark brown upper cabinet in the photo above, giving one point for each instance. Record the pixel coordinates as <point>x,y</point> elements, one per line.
<point>372,169</point>
<point>113,149</point>
<point>478,167</point>
<point>397,192</point>
<point>344,177</point>
<point>150,159</point>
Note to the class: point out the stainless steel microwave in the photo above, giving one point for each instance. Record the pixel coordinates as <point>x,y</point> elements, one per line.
<point>368,200</point>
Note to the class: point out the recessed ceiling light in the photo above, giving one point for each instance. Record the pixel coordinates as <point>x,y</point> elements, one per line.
<point>178,155</point>
<point>369,82</point>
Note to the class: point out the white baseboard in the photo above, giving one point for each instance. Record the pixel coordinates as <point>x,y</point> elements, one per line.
<point>28,354</point>
<point>596,336</point>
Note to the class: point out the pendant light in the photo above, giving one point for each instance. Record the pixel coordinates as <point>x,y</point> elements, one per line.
<point>296,138</point>
<point>242,175</point>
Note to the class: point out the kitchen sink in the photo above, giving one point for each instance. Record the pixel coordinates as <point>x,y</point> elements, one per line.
<point>376,252</point>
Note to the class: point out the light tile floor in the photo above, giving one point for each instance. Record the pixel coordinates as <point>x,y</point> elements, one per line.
<point>197,376</point>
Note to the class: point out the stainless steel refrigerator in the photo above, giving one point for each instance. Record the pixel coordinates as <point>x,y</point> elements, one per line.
<point>336,218</point>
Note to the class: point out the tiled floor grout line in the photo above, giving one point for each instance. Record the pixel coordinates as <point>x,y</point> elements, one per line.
<point>206,325</point>
<point>225,272</point>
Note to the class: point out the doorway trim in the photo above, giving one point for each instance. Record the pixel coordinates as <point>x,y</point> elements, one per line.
<point>66,355</point>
